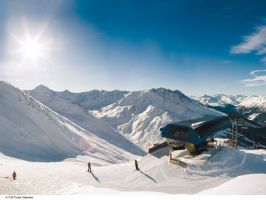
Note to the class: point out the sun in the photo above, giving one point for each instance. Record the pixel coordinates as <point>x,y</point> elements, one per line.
<point>32,44</point>
<point>32,49</point>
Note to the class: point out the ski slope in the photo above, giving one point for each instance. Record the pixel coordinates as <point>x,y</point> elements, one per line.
<point>222,174</point>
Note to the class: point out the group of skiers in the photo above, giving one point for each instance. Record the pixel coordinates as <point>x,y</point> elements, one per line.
<point>14,174</point>
<point>136,166</point>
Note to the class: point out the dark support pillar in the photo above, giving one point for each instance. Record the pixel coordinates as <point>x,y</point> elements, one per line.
<point>234,132</point>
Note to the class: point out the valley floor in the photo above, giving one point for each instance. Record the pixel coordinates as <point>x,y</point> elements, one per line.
<point>229,171</point>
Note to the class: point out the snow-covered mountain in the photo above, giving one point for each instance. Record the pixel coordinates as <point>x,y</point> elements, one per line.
<point>92,100</point>
<point>74,107</point>
<point>136,115</point>
<point>254,101</point>
<point>253,107</point>
<point>140,115</point>
<point>219,99</point>
<point>31,131</point>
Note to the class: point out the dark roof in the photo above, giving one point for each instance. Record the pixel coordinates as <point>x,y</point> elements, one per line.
<point>200,129</point>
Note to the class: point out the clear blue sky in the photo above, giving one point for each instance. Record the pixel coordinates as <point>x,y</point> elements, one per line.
<point>197,47</point>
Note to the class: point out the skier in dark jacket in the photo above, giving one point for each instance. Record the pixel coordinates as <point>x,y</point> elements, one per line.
<point>136,165</point>
<point>14,175</point>
<point>89,167</point>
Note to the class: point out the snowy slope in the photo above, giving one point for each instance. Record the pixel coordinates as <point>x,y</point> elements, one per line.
<point>65,104</point>
<point>228,167</point>
<point>31,131</point>
<point>140,115</point>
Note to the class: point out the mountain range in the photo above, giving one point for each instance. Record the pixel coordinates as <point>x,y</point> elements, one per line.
<point>42,124</point>
<point>135,115</point>
<point>252,107</point>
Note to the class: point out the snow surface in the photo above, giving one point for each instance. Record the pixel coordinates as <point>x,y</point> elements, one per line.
<point>245,169</point>
<point>252,184</point>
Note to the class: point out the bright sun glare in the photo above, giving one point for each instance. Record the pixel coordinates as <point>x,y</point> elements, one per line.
<point>31,42</point>
<point>31,49</point>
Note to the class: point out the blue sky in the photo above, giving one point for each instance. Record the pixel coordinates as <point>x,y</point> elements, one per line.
<point>198,47</point>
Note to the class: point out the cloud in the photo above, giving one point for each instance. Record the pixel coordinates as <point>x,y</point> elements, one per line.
<point>258,79</point>
<point>263,60</point>
<point>256,42</point>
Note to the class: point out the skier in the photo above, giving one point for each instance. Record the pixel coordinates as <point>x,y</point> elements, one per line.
<point>136,165</point>
<point>14,175</point>
<point>170,155</point>
<point>89,167</point>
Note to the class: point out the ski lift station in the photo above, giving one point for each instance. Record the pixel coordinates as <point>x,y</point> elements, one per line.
<point>194,133</point>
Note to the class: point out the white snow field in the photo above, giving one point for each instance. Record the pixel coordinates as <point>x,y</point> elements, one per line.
<point>252,184</point>
<point>242,173</point>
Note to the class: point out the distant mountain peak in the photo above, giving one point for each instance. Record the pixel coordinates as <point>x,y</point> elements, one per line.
<point>166,92</point>
<point>42,87</point>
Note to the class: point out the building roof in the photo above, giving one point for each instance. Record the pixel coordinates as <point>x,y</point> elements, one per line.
<point>198,130</point>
